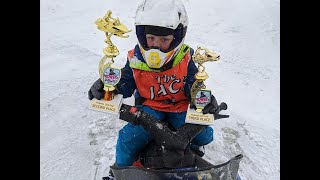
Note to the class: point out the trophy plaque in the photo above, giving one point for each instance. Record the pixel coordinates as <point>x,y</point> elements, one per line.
<point>109,74</point>
<point>200,96</point>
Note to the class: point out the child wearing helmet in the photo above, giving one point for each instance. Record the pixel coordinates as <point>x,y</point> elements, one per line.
<point>159,72</point>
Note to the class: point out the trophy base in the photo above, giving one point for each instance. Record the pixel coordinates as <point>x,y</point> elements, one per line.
<point>194,117</point>
<point>111,107</point>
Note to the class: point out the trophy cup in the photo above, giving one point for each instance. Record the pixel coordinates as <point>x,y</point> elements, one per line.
<point>200,96</point>
<point>109,74</point>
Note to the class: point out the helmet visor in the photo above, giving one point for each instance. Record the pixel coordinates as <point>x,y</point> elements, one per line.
<point>178,35</point>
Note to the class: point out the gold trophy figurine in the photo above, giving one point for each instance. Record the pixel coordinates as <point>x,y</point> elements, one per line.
<point>200,96</point>
<point>109,74</point>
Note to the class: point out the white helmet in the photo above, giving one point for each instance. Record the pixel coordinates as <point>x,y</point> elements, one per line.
<point>162,14</point>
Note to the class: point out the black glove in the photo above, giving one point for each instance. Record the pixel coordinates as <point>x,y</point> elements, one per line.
<point>214,108</point>
<point>96,90</point>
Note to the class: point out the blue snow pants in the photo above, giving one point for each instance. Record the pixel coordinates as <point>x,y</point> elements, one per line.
<point>132,139</point>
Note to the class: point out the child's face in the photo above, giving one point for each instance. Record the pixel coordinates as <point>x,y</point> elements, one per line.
<point>162,42</point>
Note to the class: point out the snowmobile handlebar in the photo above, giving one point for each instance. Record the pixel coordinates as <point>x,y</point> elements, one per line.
<point>223,106</point>
<point>162,134</point>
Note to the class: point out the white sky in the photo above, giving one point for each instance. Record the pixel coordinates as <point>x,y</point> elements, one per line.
<point>77,143</point>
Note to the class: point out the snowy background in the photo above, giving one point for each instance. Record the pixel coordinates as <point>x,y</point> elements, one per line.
<point>79,144</point>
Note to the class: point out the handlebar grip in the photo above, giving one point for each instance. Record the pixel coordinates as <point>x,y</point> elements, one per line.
<point>223,106</point>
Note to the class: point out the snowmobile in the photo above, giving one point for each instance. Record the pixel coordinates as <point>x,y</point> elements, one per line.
<point>169,155</point>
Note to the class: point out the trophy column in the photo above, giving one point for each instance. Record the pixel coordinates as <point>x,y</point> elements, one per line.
<point>110,75</point>
<point>200,96</point>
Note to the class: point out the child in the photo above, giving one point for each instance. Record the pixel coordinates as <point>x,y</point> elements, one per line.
<point>160,71</point>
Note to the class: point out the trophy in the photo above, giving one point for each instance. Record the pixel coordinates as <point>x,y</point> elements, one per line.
<point>200,96</point>
<point>109,74</point>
